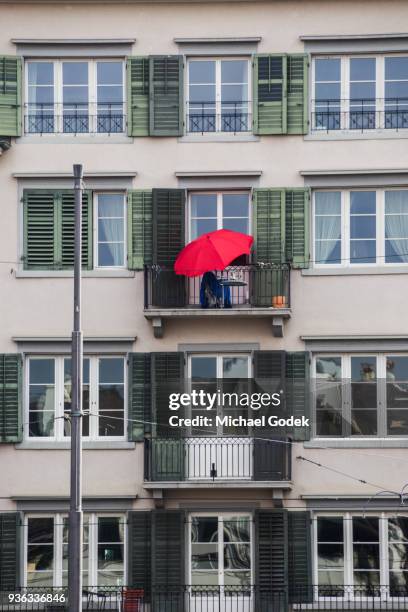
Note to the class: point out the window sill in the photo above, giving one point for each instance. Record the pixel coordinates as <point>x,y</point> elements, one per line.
<point>357,443</point>
<point>70,273</point>
<point>75,139</point>
<point>356,135</point>
<point>358,271</point>
<point>219,137</point>
<point>62,445</point>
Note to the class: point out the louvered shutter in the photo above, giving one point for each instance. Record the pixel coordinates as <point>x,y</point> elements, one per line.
<point>139,551</point>
<point>271,531</point>
<point>297,90</point>
<point>10,533</point>
<point>10,96</point>
<point>139,396</point>
<point>298,390</point>
<point>166,95</point>
<point>270,94</point>
<point>66,201</point>
<point>168,289</point>
<point>300,563</point>
<point>297,227</point>
<point>138,96</point>
<point>269,224</point>
<point>10,398</point>
<point>140,229</point>
<point>168,555</point>
<point>40,230</point>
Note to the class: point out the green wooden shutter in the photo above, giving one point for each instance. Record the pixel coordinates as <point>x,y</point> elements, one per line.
<point>40,230</point>
<point>300,557</point>
<point>271,531</point>
<point>297,227</point>
<point>297,390</point>
<point>168,289</point>
<point>10,398</point>
<point>140,229</point>
<point>166,95</point>
<point>297,99</point>
<point>138,96</point>
<point>270,94</point>
<point>66,202</point>
<point>167,377</point>
<point>10,528</point>
<point>10,96</point>
<point>168,552</point>
<point>139,551</point>
<point>139,396</point>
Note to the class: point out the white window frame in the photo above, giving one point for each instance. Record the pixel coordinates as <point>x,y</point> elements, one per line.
<point>348,551</point>
<point>221,516</point>
<point>217,59</point>
<point>381,377</point>
<point>219,194</point>
<point>59,399</point>
<point>345,228</point>
<point>58,519</point>
<point>92,93</point>
<point>345,91</point>
<point>95,196</point>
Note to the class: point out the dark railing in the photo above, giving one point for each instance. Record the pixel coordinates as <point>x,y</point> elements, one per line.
<point>234,116</point>
<point>347,597</point>
<point>259,285</point>
<point>216,459</point>
<point>54,599</point>
<point>74,118</point>
<point>360,114</point>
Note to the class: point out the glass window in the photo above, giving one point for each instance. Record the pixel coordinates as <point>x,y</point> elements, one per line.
<point>366,552</point>
<point>111,396</point>
<point>328,227</point>
<point>329,396</point>
<point>75,97</point>
<point>397,395</point>
<point>364,396</point>
<point>68,396</point>
<point>209,536</point>
<point>40,552</point>
<point>363,227</point>
<point>218,95</point>
<point>396,92</point>
<point>362,93</point>
<point>111,230</point>
<point>396,226</point>
<point>213,211</point>
<point>110,551</point>
<point>330,551</point>
<point>327,94</point>
<point>398,555</point>
<point>41,397</point>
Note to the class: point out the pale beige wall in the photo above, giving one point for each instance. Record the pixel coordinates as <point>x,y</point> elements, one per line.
<point>321,305</point>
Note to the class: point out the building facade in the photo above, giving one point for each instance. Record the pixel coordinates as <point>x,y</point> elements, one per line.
<point>284,120</point>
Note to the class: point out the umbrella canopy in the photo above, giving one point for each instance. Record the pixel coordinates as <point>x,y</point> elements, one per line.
<point>212,251</point>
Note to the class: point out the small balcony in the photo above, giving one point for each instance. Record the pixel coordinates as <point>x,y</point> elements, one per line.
<point>197,462</point>
<point>246,291</point>
<point>359,115</point>
<point>74,119</point>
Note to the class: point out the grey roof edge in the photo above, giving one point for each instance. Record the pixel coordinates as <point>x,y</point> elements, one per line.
<point>217,39</point>
<point>355,337</point>
<point>334,37</point>
<point>353,171</point>
<point>68,338</point>
<point>66,497</point>
<point>41,175</point>
<point>217,173</point>
<point>73,41</point>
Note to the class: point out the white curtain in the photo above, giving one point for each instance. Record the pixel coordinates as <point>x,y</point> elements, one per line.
<point>327,223</point>
<point>396,222</point>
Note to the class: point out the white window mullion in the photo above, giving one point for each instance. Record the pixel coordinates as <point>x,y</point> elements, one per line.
<point>382,395</point>
<point>58,97</point>
<point>221,578</point>
<point>380,92</point>
<point>380,199</point>
<point>348,532</point>
<point>384,563</point>
<point>94,404</point>
<point>345,93</point>
<point>218,95</point>
<point>346,239</point>
<point>93,550</point>
<point>92,95</point>
<point>57,550</point>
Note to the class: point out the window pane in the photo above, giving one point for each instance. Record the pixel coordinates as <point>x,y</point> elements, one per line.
<point>204,578</point>
<point>327,92</point>
<point>237,556</point>
<point>237,529</point>
<point>237,579</point>
<point>204,205</point>
<point>363,251</point>
<point>396,68</point>
<point>202,71</point>
<point>366,529</point>
<point>396,226</point>
<point>330,556</point>
<point>366,556</point>
<point>234,71</point>
<point>328,203</point>
<point>236,225</point>
<point>111,230</point>
<point>235,367</point>
<point>111,370</point>
<point>330,529</point>
<point>109,73</point>
<point>203,367</point>
<point>75,73</point>
<point>40,73</point>
<point>235,205</point>
<point>202,226</point>
<point>42,371</point>
<point>328,227</point>
<point>40,530</point>
<point>204,529</point>
<point>362,69</point>
<point>327,69</point>
<point>204,556</point>
<point>363,202</point>
<point>40,579</point>
<point>362,227</point>
<point>110,205</point>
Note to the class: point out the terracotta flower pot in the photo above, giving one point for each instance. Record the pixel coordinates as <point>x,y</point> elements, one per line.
<point>278,301</point>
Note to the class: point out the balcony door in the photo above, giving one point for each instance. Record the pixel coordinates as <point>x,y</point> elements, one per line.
<point>223,451</point>
<point>220,563</point>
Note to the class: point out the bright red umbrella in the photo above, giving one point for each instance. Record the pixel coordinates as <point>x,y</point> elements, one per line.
<point>212,251</point>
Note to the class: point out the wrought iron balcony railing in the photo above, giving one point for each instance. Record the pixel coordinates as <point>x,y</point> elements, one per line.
<point>243,286</point>
<point>217,459</point>
<point>359,115</point>
<point>211,116</point>
<point>74,118</point>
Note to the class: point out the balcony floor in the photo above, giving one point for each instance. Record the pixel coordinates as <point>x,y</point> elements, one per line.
<point>231,483</point>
